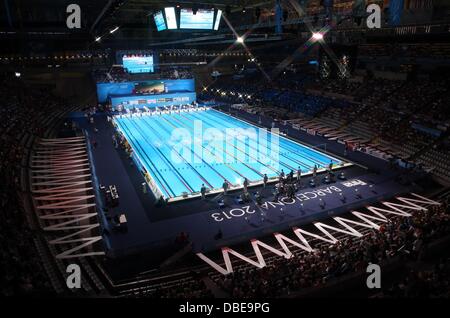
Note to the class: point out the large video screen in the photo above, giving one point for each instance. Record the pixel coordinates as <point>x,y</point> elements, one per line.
<point>149,87</point>
<point>171,18</point>
<point>217,23</point>
<point>159,21</point>
<point>203,19</point>
<point>138,63</point>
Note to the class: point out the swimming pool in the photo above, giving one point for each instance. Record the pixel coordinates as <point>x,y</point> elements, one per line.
<point>179,152</point>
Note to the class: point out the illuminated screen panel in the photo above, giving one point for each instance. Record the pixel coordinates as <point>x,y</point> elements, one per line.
<point>159,21</point>
<point>138,63</point>
<point>218,17</point>
<point>149,87</point>
<point>202,20</point>
<point>171,18</point>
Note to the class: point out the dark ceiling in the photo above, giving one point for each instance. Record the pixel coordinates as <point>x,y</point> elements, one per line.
<point>28,26</point>
<point>37,24</point>
<point>30,15</point>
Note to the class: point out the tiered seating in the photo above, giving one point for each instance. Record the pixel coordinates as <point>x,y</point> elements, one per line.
<point>437,159</point>
<point>306,271</point>
<point>182,285</point>
<point>281,277</point>
<point>418,50</point>
<point>27,114</point>
<point>292,100</point>
<point>431,281</point>
<point>380,116</point>
<point>61,184</point>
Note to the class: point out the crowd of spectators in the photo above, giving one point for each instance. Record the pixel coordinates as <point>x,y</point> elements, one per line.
<point>176,73</point>
<point>408,50</point>
<point>288,98</point>
<point>391,101</point>
<point>117,74</point>
<point>186,288</point>
<point>387,102</point>
<point>431,282</point>
<point>408,115</point>
<point>24,113</point>
<point>22,269</point>
<point>24,110</point>
<point>392,114</point>
<point>191,289</point>
<point>402,237</point>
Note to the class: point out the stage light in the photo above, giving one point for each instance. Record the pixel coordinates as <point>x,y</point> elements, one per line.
<point>114,30</point>
<point>17,74</point>
<point>243,10</point>
<point>240,39</point>
<point>97,39</point>
<point>317,36</point>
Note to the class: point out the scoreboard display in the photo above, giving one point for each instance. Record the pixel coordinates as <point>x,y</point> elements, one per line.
<point>203,19</point>
<point>171,18</point>
<point>159,21</point>
<point>138,63</point>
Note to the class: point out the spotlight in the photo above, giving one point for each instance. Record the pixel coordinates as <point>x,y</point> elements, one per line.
<point>317,36</point>
<point>17,74</point>
<point>240,39</point>
<point>114,30</point>
<point>243,10</point>
<point>97,39</point>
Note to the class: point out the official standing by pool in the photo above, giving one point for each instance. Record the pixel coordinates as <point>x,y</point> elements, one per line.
<point>314,172</point>
<point>225,187</point>
<point>245,185</point>
<point>299,175</point>
<point>203,191</point>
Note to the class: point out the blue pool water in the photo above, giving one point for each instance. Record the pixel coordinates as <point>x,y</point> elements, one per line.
<point>182,151</point>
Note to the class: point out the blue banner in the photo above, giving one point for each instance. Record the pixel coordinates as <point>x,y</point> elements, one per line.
<point>278,18</point>
<point>106,90</point>
<point>152,101</point>
<point>395,12</point>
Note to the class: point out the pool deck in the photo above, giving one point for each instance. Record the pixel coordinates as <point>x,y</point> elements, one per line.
<point>151,227</point>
